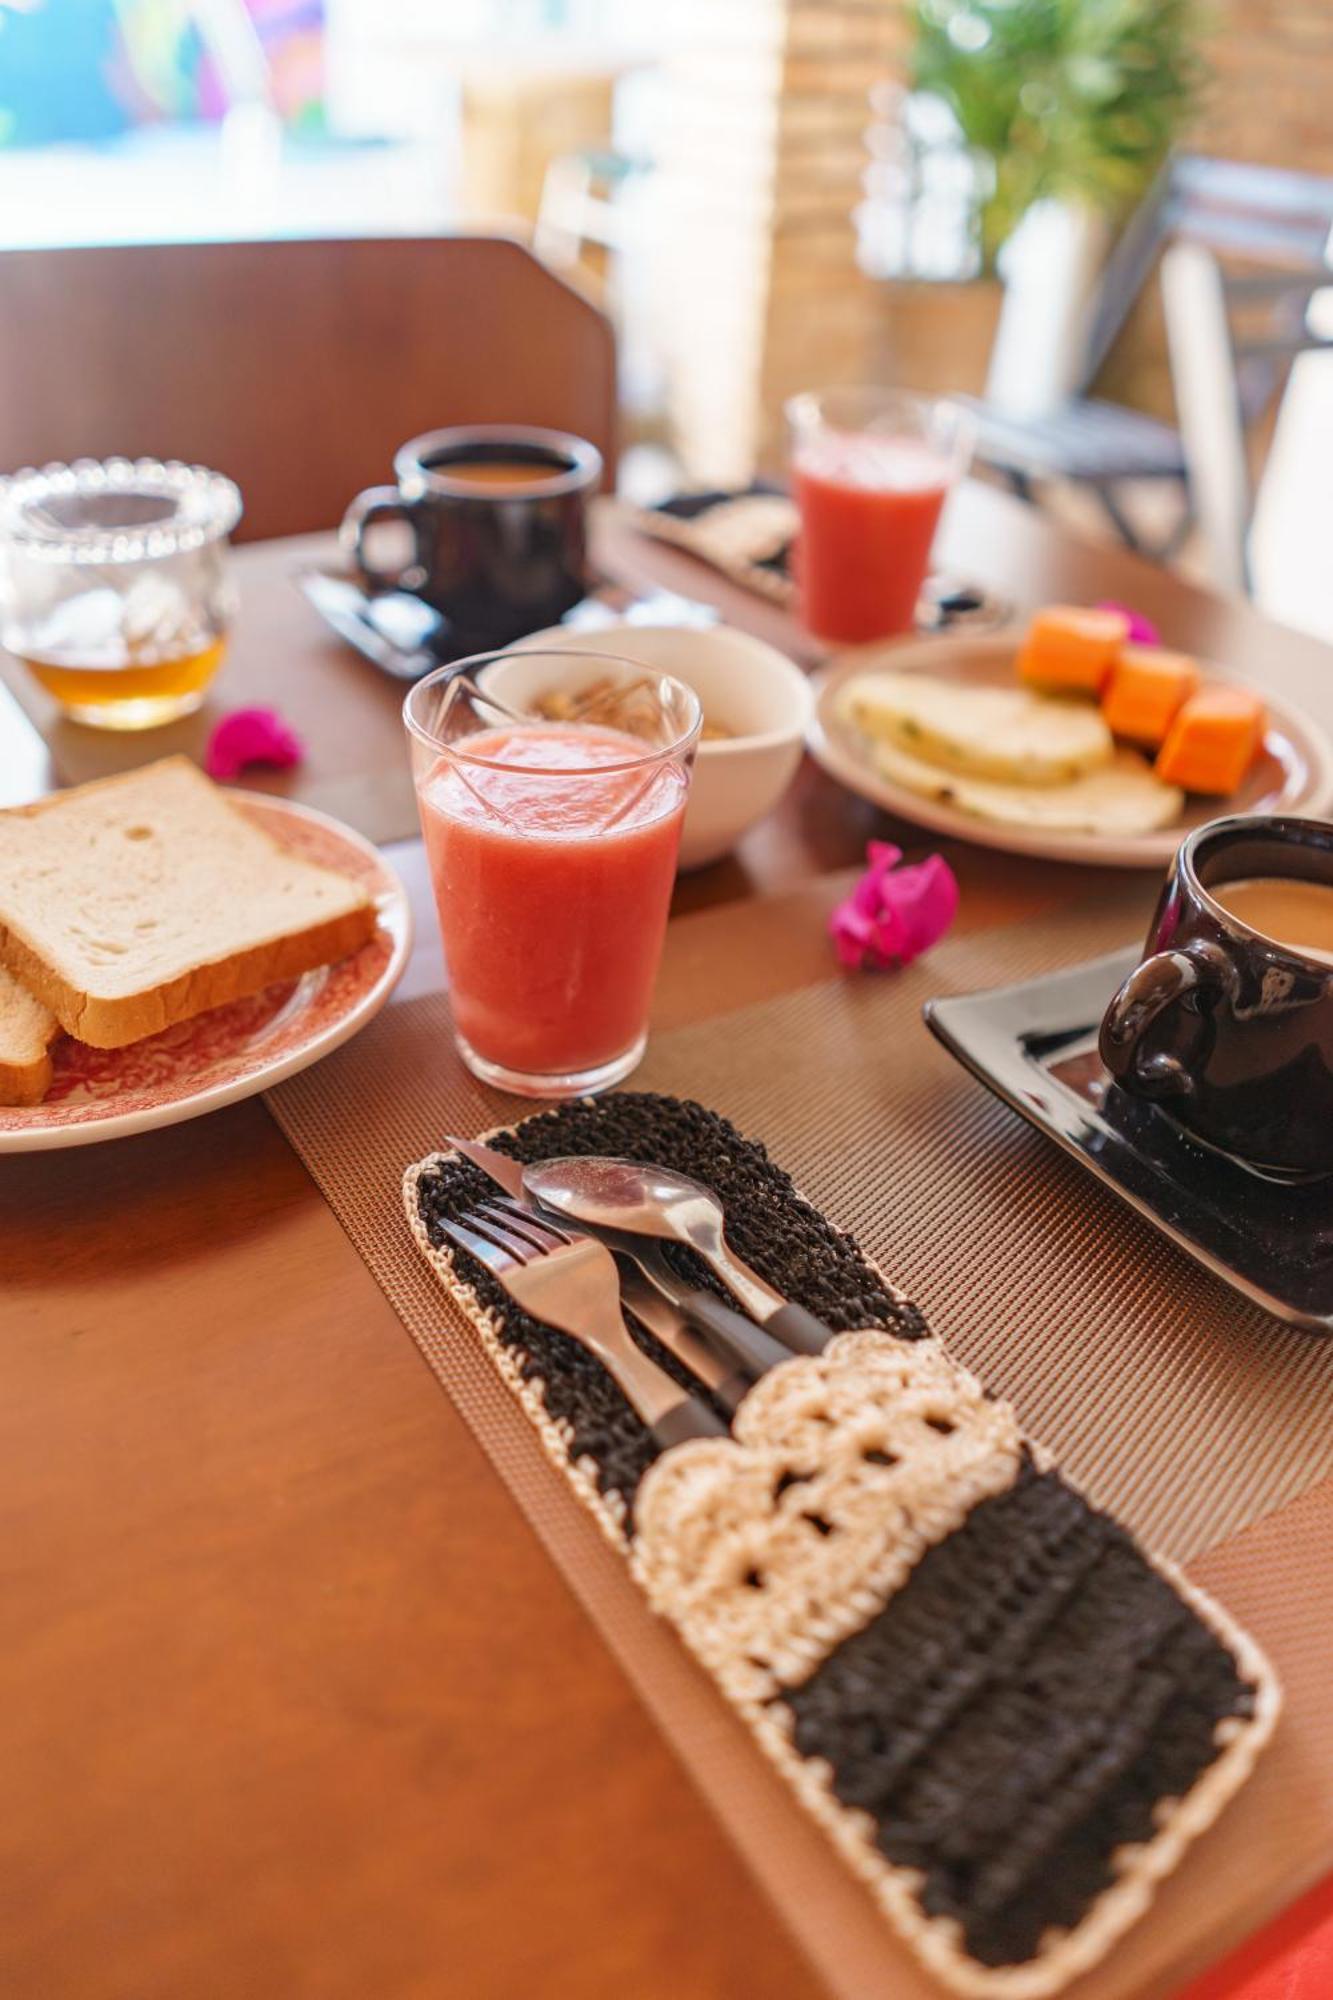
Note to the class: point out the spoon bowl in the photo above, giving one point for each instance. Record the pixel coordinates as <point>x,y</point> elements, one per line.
<point>623,1194</point>
<point>647,1200</point>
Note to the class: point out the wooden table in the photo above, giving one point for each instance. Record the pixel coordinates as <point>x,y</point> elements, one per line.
<point>291,1702</point>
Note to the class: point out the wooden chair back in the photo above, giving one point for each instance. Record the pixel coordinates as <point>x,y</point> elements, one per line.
<point>296,367</point>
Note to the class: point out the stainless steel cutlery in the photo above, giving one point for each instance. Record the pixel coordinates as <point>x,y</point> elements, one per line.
<point>626,1195</point>
<point>667,1324</point>
<point>735,1339</point>
<point>571,1283</point>
<point>745,1347</point>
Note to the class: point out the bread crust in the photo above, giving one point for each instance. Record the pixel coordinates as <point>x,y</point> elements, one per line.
<point>26,1083</point>
<point>27,1031</point>
<point>113,1024</point>
<point>113,1021</point>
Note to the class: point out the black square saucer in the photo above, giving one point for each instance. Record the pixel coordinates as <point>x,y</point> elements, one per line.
<point>1035,1046</point>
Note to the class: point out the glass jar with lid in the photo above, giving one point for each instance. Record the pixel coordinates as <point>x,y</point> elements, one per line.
<point>113,585</point>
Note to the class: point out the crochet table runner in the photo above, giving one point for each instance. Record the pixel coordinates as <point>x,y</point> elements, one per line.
<point>1167,1399</point>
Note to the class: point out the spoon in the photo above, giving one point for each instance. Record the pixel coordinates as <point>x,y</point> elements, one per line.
<point>656,1201</point>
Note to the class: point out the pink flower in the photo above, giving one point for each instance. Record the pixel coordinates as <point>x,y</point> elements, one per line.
<point>251,736</point>
<point>1142,631</point>
<point>893,914</point>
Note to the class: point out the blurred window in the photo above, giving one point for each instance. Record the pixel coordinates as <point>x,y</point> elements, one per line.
<point>85,70</point>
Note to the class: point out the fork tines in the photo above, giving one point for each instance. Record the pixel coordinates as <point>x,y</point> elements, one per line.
<point>511,1219</point>
<point>500,1233</point>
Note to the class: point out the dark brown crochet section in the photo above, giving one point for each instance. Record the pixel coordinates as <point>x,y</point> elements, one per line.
<point>1017,1710</point>
<point>785,1239</point>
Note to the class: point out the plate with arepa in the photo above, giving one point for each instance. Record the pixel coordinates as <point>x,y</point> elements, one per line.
<point>167,947</point>
<point>953,735</point>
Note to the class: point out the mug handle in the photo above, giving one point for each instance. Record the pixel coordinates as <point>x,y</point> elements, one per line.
<point>1160,982</point>
<point>377,503</point>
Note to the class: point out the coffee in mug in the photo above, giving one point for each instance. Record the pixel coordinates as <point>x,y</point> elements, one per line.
<point>1227,1024</point>
<point>494,472</point>
<point>1293,913</point>
<point>497,514</point>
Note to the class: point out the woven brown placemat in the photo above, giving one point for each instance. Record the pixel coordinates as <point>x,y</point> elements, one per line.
<point>1184,1409</point>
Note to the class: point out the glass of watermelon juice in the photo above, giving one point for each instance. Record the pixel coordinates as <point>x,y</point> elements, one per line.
<point>871,469</point>
<point>551,816</point>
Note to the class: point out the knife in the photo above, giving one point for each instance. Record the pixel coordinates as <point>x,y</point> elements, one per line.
<point>734,1339</point>
<point>667,1323</point>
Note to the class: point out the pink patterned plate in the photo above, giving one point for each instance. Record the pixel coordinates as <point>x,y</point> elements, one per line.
<point>233,1051</point>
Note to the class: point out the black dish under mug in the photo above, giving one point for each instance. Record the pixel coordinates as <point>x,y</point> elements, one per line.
<point>1226,1029</point>
<point>500,546</point>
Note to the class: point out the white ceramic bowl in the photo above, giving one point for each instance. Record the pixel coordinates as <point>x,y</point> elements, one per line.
<point>744,686</point>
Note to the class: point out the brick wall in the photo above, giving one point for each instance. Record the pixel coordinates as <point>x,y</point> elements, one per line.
<point>761,294</point>
<point>760,171</point>
<point>1271,101</point>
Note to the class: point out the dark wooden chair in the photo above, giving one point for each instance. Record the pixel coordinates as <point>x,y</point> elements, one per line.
<point>1263,216</point>
<point>295,367</point>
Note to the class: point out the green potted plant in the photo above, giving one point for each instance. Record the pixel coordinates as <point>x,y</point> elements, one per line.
<point>1074,101</point>
<point>1071,107</point>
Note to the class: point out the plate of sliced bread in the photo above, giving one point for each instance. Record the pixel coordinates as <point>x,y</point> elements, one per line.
<point>1068,741</point>
<point>167,947</point>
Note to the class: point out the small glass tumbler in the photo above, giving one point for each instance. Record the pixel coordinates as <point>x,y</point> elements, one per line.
<point>113,585</point>
<point>551,788</point>
<point>871,470</point>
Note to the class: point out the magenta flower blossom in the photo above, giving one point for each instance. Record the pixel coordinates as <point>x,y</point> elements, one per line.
<point>894,914</point>
<point>251,736</point>
<point>1142,631</point>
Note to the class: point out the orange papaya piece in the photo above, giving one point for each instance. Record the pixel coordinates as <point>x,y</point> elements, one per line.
<point>1213,740</point>
<point>1146,690</point>
<point>1070,650</point>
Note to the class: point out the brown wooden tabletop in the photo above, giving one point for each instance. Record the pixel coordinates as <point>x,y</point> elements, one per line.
<point>291,1701</point>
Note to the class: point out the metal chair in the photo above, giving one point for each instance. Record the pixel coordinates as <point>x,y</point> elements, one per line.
<point>580,205</point>
<point>1232,342</point>
<point>1265,215</point>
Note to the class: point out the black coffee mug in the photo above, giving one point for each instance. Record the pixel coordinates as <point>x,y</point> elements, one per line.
<point>498,519</point>
<point>1228,1030</point>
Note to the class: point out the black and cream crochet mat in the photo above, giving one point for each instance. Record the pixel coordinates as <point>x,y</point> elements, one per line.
<point>1202,1425</point>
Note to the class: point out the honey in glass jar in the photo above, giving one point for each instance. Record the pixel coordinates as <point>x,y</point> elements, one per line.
<point>114,587</point>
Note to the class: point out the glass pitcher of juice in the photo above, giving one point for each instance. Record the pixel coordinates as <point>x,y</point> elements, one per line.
<point>113,585</point>
<point>871,470</point>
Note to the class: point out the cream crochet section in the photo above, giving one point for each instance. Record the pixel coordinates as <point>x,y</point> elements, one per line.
<point>770,1548</point>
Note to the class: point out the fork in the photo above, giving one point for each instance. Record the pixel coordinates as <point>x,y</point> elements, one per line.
<point>573,1284</point>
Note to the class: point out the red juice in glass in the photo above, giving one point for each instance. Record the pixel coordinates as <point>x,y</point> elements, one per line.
<point>552,852</point>
<point>870,474</point>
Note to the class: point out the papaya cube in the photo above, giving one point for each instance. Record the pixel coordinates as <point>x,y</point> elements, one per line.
<point>1071,649</point>
<point>1213,740</point>
<point>1146,688</point>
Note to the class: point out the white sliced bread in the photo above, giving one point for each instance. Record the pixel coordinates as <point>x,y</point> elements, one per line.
<point>27,1030</point>
<point>141,900</point>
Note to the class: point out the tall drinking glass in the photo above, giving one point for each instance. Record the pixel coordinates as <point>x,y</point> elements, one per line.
<point>871,469</point>
<point>551,788</point>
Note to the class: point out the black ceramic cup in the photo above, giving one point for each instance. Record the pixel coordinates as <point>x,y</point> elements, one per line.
<point>497,515</point>
<point>1226,1029</point>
